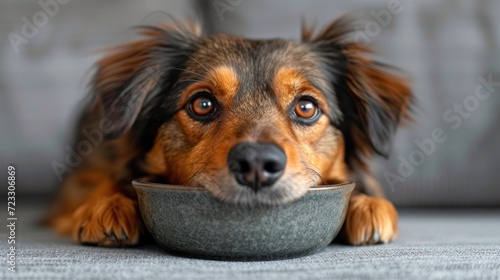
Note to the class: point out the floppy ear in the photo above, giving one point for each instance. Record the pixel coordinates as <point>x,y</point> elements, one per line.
<point>373,99</point>
<point>133,72</point>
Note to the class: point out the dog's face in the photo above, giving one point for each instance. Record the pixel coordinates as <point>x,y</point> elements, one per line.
<point>251,120</point>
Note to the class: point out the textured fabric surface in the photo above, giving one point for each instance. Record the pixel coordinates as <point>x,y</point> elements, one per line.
<point>433,244</point>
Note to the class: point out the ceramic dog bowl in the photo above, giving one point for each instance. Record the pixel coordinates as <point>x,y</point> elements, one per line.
<point>191,222</point>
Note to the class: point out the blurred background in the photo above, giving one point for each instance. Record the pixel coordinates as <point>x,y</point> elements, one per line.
<point>449,49</point>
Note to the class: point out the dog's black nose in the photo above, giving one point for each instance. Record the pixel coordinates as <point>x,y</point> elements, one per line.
<point>256,165</point>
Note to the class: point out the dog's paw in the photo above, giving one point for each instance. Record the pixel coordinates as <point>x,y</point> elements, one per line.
<point>111,222</point>
<point>370,220</point>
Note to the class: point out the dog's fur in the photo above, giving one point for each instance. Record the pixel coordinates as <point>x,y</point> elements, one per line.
<point>141,94</point>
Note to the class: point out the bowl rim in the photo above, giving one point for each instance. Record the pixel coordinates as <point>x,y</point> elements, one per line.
<point>147,183</point>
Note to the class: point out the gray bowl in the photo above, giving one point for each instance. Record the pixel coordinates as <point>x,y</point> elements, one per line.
<point>191,222</point>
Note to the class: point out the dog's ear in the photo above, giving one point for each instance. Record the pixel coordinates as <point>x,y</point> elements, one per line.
<point>372,98</point>
<point>132,73</point>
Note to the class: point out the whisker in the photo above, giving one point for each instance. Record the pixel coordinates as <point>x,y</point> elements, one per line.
<point>316,173</point>
<point>181,81</point>
<point>189,71</point>
<point>313,168</point>
<point>189,181</point>
<point>193,163</point>
<point>201,76</point>
<point>197,62</point>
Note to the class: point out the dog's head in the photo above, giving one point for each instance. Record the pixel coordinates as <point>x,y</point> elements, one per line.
<point>250,120</point>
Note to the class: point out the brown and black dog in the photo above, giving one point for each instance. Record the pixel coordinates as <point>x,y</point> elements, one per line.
<point>252,121</point>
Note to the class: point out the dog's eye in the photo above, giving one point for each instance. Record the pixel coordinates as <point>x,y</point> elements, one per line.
<point>202,106</point>
<point>306,109</point>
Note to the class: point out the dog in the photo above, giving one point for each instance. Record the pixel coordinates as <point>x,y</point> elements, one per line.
<point>252,121</point>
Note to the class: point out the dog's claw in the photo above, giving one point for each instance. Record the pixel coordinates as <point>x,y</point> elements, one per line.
<point>80,230</point>
<point>111,235</point>
<point>376,236</point>
<point>124,236</point>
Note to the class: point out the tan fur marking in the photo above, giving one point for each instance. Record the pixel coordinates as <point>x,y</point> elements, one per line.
<point>288,83</point>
